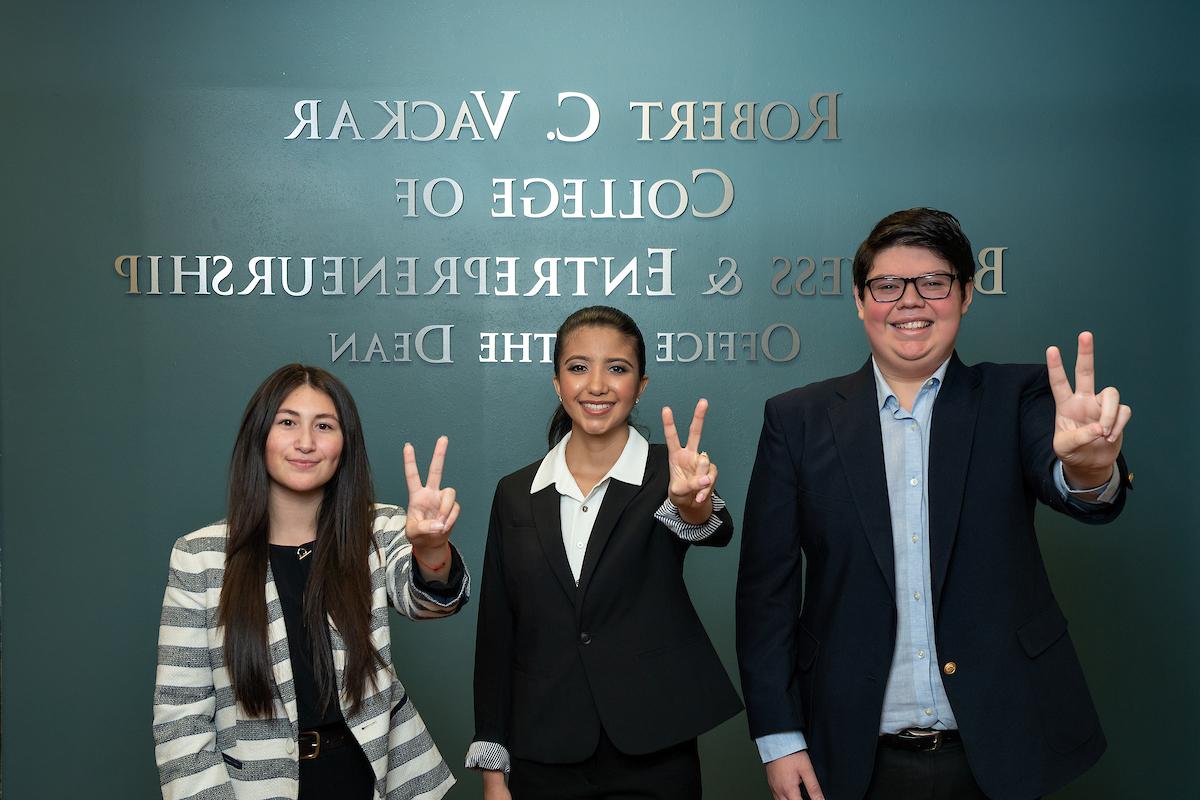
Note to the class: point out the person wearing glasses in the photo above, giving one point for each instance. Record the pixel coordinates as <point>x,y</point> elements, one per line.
<point>921,652</point>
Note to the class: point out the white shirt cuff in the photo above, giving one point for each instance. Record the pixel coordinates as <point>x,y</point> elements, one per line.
<point>1105,493</point>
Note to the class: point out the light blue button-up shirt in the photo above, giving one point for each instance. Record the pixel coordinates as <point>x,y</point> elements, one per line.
<point>915,696</point>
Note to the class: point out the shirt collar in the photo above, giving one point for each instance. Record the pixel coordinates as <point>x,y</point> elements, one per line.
<point>883,392</point>
<point>630,467</point>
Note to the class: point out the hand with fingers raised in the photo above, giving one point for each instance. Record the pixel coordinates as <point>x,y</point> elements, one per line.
<point>693,475</point>
<point>432,512</point>
<point>1088,427</point>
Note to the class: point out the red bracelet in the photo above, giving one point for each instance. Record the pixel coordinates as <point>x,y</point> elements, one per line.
<point>438,568</point>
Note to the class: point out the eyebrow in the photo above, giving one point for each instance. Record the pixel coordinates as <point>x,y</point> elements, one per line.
<point>296,414</point>
<point>607,360</point>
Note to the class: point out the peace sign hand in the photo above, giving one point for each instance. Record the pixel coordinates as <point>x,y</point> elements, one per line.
<point>1088,427</point>
<point>432,512</point>
<point>693,475</point>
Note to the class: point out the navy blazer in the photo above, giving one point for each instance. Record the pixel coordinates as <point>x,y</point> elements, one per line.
<point>815,650</point>
<point>623,651</point>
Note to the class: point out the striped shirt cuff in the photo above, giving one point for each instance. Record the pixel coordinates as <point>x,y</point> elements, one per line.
<point>487,755</point>
<point>668,514</point>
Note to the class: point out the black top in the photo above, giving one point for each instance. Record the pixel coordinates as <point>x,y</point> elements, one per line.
<point>290,571</point>
<point>291,576</point>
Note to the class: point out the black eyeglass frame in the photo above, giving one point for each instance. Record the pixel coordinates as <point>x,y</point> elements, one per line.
<point>914,282</point>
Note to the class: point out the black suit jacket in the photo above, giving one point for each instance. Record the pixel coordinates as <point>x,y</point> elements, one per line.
<point>815,651</point>
<point>624,650</point>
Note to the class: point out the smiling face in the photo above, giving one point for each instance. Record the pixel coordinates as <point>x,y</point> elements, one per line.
<point>304,444</point>
<point>912,336</point>
<point>598,380</point>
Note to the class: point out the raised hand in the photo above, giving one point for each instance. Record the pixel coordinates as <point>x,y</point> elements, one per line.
<point>1088,427</point>
<point>432,512</point>
<point>693,475</point>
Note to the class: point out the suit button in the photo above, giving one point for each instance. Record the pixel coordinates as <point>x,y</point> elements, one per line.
<point>585,638</point>
<point>950,668</point>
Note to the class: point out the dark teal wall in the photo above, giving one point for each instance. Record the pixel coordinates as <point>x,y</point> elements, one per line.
<point>1065,132</point>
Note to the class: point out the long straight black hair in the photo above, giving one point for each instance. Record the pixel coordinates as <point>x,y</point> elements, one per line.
<point>592,316</point>
<point>339,584</point>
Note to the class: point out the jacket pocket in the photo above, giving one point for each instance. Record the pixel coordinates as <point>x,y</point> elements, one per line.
<point>1060,689</point>
<point>814,500</point>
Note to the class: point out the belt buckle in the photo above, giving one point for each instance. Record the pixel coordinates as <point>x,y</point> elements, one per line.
<point>925,742</point>
<point>310,745</point>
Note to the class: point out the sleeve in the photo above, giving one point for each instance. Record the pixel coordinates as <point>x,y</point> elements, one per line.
<point>185,735</point>
<point>493,655</point>
<point>1104,493</point>
<point>668,514</point>
<point>446,590</point>
<point>769,584</point>
<point>1041,465</point>
<point>487,756</point>
<point>405,595</point>
<point>778,745</point>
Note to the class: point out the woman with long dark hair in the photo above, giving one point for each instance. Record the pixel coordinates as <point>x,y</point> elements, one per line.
<point>274,674</point>
<point>593,673</point>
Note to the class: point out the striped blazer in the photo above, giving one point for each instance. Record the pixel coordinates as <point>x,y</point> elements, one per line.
<point>207,748</point>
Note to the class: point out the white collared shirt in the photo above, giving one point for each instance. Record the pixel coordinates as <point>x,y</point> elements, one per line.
<point>577,511</point>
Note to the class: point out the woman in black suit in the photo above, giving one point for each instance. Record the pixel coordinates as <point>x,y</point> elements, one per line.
<point>593,673</point>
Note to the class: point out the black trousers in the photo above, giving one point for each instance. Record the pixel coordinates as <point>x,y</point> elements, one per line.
<point>941,774</point>
<point>609,774</point>
<point>341,774</point>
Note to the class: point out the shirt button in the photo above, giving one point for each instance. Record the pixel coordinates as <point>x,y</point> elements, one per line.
<point>585,508</point>
<point>585,638</point>
<point>928,712</point>
<point>915,538</point>
<point>916,595</point>
<point>579,545</point>
<point>914,481</point>
<point>291,746</point>
<point>920,654</point>
<point>912,427</point>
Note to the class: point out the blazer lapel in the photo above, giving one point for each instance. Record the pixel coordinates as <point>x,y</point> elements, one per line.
<point>950,439</point>
<point>548,521</point>
<point>616,498</point>
<point>859,442</point>
<point>277,638</point>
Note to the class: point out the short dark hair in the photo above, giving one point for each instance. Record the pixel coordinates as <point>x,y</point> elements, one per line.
<point>600,317</point>
<point>929,228</point>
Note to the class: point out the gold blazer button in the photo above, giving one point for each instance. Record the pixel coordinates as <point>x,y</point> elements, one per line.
<point>950,668</point>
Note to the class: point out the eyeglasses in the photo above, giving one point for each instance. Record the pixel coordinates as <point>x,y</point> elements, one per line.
<point>889,288</point>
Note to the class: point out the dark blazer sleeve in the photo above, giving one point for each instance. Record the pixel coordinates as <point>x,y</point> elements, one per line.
<point>769,583</point>
<point>493,640</point>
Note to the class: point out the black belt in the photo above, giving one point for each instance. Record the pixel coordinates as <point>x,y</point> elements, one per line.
<point>321,740</point>
<point>922,740</point>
